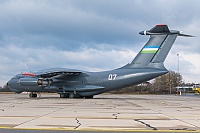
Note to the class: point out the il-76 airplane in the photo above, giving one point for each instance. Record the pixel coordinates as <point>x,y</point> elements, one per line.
<point>72,83</point>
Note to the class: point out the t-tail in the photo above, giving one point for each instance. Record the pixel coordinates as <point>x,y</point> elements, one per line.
<point>155,51</point>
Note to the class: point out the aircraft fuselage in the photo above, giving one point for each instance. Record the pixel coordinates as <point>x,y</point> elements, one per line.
<point>92,84</point>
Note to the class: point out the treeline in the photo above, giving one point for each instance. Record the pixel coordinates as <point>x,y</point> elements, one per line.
<point>165,84</point>
<point>4,89</point>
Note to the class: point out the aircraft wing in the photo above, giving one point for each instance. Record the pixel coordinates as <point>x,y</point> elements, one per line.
<point>59,73</point>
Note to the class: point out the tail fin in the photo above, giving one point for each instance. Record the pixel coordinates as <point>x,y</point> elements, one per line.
<point>157,48</point>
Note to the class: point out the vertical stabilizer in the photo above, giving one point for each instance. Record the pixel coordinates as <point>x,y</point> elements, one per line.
<point>157,48</point>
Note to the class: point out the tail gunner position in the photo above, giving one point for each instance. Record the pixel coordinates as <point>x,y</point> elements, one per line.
<point>71,83</point>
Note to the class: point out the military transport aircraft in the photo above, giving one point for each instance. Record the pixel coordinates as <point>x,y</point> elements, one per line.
<point>71,83</point>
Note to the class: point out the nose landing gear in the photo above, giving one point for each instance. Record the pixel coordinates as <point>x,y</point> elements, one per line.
<point>32,95</point>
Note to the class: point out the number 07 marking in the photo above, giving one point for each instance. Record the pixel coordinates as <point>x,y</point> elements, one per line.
<point>112,76</point>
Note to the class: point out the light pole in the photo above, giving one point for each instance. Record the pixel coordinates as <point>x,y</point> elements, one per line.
<point>178,73</point>
<point>178,63</point>
<point>170,89</point>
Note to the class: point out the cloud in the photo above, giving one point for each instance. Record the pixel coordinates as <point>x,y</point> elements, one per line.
<point>47,24</point>
<point>91,35</point>
<point>16,59</point>
<point>189,63</point>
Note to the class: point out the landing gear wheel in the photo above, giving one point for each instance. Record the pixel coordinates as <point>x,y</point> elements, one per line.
<point>63,95</point>
<point>78,95</point>
<point>32,95</point>
<point>72,95</point>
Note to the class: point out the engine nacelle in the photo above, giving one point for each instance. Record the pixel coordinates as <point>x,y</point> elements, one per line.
<point>35,82</point>
<point>44,82</point>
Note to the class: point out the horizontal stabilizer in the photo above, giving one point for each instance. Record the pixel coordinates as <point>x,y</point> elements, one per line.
<point>162,30</point>
<point>185,35</point>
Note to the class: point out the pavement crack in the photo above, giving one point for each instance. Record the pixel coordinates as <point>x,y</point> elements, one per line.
<point>37,117</point>
<point>147,125</point>
<point>78,122</point>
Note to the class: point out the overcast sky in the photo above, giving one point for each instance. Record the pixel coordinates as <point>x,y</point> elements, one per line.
<point>93,35</point>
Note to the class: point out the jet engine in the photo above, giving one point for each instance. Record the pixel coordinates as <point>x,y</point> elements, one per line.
<point>35,82</point>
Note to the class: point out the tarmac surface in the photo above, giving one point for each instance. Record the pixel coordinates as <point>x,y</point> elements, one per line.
<point>130,113</point>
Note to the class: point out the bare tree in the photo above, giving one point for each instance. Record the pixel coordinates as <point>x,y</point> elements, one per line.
<point>167,83</point>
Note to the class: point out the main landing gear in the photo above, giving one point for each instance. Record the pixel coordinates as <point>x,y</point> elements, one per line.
<point>69,95</point>
<point>64,95</point>
<point>74,95</point>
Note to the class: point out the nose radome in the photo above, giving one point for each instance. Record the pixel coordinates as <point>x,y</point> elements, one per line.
<point>8,83</point>
<point>13,86</point>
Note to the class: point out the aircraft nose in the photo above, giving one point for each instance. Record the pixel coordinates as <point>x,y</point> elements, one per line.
<point>8,83</point>
<point>12,85</point>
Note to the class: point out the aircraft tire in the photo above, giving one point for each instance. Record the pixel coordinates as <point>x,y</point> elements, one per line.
<point>32,95</point>
<point>63,95</point>
<point>71,95</point>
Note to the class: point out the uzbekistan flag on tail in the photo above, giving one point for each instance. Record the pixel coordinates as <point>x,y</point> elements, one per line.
<point>150,49</point>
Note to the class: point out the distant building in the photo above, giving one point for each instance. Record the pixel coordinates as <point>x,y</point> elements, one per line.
<point>185,89</point>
